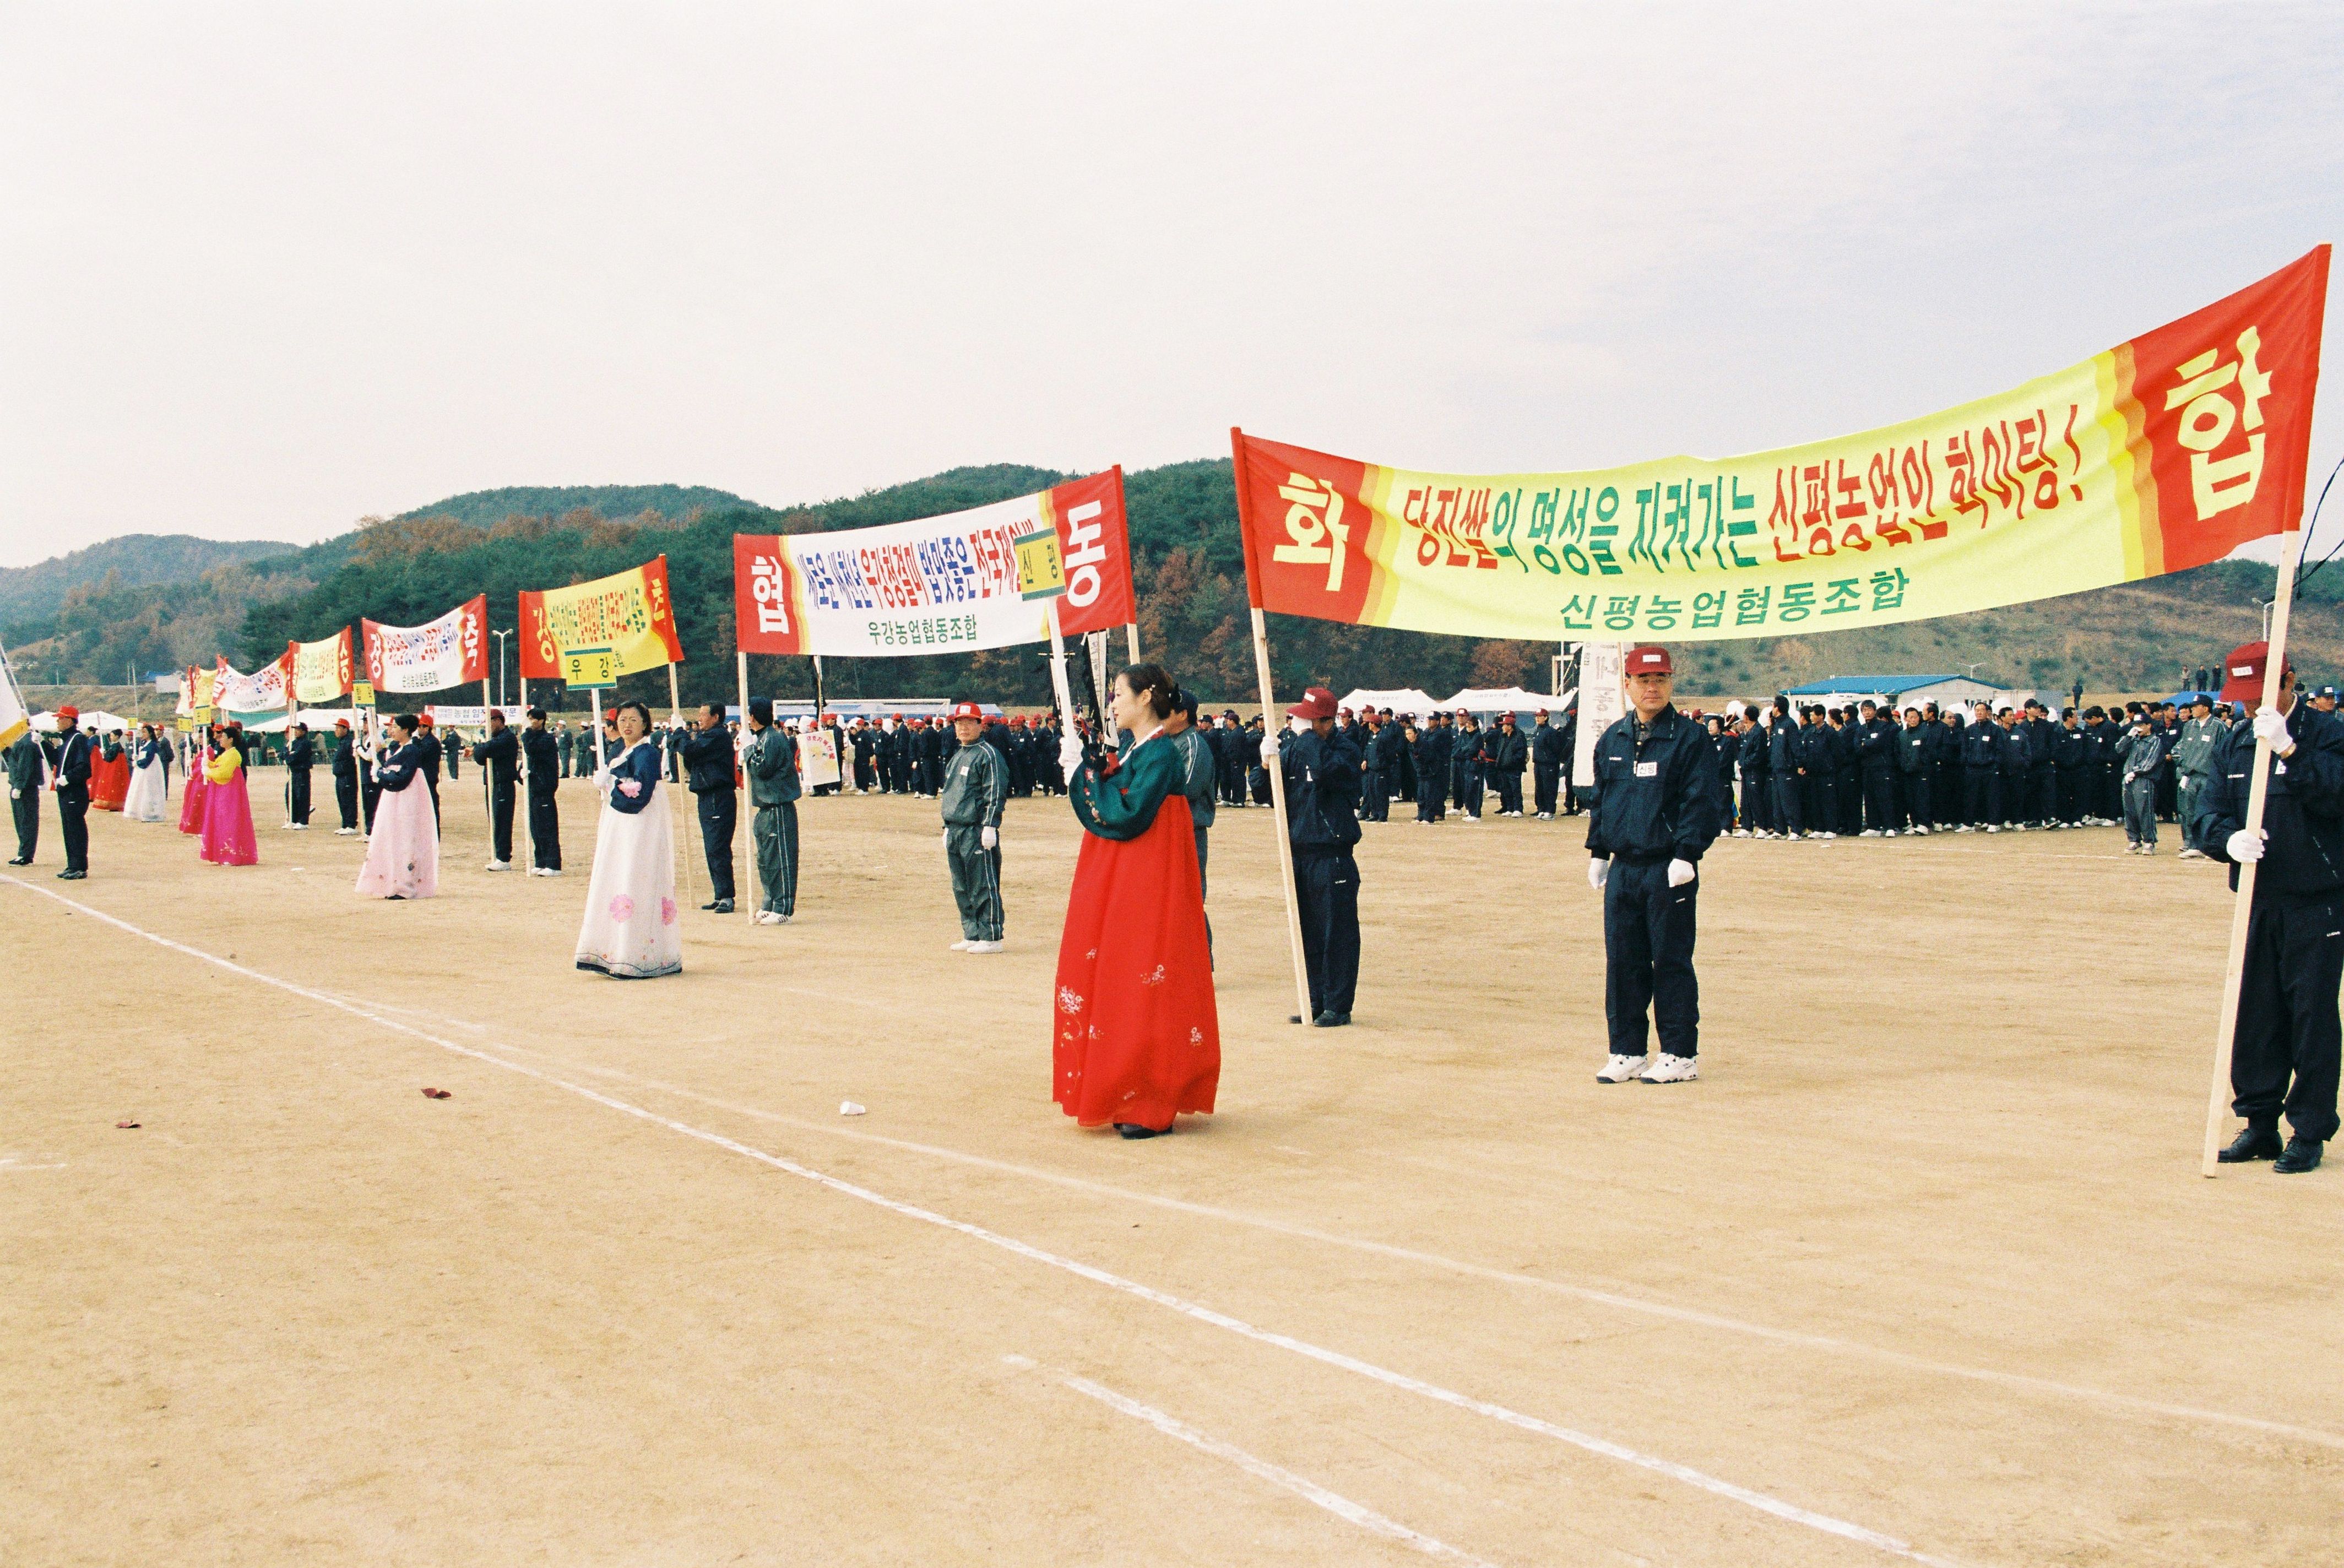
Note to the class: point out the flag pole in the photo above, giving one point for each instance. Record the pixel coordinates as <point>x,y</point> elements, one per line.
<point>739,742</point>
<point>675,714</point>
<point>488,791</point>
<point>1276,775</point>
<point>2226,1027</point>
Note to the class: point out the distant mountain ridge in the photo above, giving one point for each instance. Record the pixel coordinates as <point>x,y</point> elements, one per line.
<point>486,508</point>
<point>138,559</point>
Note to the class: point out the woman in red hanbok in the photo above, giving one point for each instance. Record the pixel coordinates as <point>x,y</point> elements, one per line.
<point>109,773</point>
<point>191,801</point>
<point>1136,1037</point>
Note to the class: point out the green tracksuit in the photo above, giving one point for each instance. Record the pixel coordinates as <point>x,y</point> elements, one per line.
<point>977,785</point>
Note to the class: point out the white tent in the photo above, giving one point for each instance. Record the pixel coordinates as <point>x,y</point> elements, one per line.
<point>1407,700</point>
<point>316,718</point>
<point>97,722</point>
<point>1505,700</point>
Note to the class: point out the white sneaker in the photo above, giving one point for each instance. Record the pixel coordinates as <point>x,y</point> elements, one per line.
<point>985,947</point>
<point>1741,833</point>
<point>961,945</point>
<point>1922,831</point>
<point>1888,832</point>
<point>1620,1069</point>
<point>1669,1070</point>
<point>1965,827</point>
<point>2191,855</point>
<point>771,918</point>
<point>2149,849</point>
<point>498,865</point>
<point>344,832</point>
<point>1827,835</point>
<point>551,871</point>
<point>1994,827</point>
<point>1869,833</point>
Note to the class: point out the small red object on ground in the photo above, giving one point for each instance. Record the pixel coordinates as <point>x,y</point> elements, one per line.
<point>126,1124</point>
<point>435,1094</point>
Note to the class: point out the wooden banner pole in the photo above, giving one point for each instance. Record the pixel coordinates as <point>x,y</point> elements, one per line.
<point>748,859</point>
<point>1131,634</point>
<point>1268,719</point>
<point>2226,1029</point>
<point>674,714</point>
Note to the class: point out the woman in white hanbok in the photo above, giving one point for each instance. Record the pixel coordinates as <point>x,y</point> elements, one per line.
<point>631,930</point>
<point>148,791</point>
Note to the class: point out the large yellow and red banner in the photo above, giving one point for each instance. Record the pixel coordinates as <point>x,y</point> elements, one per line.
<point>321,670</point>
<point>2165,452</point>
<point>629,613</point>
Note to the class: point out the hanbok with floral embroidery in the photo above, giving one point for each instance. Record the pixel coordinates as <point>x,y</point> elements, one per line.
<point>1136,1036</point>
<point>631,931</point>
<point>145,799</point>
<point>402,857</point>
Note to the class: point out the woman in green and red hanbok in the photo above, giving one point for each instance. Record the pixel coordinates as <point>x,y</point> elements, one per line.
<point>1136,1037</point>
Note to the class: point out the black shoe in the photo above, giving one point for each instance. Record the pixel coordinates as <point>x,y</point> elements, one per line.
<point>2302,1154</point>
<point>20,860</point>
<point>2255,1143</point>
<point>72,876</point>
<point>1134,1130</point>
<point>721,906</point>
<point>1331,1020</point>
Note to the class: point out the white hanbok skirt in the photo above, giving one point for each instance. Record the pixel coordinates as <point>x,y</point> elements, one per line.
<point>402,857</point>
<point>143,803</point>
<point>631,930</point>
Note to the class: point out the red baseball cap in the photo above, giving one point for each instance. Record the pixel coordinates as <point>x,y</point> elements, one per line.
<point>1317,703</point>
<point>2243,673</point>
<point>69,712</point>
<point>967,711</point>
<point>1647,659</point>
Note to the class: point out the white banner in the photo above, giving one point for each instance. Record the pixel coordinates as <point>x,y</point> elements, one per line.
<point>262,692</point>
<point>1603,703</point>
<point>450,652</point>
<point>475,717</point>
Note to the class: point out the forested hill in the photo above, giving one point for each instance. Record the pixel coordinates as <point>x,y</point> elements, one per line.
<point>1192,614</point>
<point>484,508</point>
<point>131,560</point>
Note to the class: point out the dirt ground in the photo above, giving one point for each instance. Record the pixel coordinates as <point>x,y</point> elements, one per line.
<point>1922,1268</point>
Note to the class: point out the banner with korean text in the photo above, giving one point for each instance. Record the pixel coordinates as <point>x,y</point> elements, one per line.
<point>262,692</point>
<point>2165,452</point>
<point>16,718</point>
<point>629,613</point>
<point>937,585</point>
<point>451,651</point>
<point>321,670</point>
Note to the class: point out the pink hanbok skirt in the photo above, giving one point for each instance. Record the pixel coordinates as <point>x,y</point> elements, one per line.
<point>402,858</point>
<point>227,825</point>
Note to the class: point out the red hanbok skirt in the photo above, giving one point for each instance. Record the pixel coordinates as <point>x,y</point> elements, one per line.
<point>191,802</point>
<point>109,781</point>
<point>1136,1037</point>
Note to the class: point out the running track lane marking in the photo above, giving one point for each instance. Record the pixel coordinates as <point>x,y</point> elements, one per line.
<point>1789,1512</point>
<point>2022,1381</point>
<point>1309,1491</point>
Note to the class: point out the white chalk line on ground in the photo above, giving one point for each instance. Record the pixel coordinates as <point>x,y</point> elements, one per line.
<point>1309,1491</point>
<point>2020,1381</point>
<point>1789,1512</point>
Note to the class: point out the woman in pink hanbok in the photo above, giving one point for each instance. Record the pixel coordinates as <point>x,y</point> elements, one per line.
<point>228,808</point>
<point>402,858</point>
<point>191,804</point>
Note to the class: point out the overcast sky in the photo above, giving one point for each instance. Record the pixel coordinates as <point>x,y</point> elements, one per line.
<point>267,270</point>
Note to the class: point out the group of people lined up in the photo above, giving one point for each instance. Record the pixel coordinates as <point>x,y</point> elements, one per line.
<point>1820,773</point>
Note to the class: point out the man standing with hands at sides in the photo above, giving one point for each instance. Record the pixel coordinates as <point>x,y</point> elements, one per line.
<point>543,755</point>
<point>499,754</point>
<point>346,779</point>
<point>1321,769</point>
<point>300,756</point>
<point>769,762</point>
<point>974,788</point>
<point>69,777</point>
<point>1548,760</point>
<point>1653,816</point>
<point>707,755</point>
<point>2286,1026</point>
<point>24,759</point>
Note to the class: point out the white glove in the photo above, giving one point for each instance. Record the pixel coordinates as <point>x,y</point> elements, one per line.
<point>1597,870</point>
<point>1270,750</point>
<point>1679,872</point>
<point>989,837</point>
<point>1070,755</point>
<point>2270,727</point>
<point>2244,847</point>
